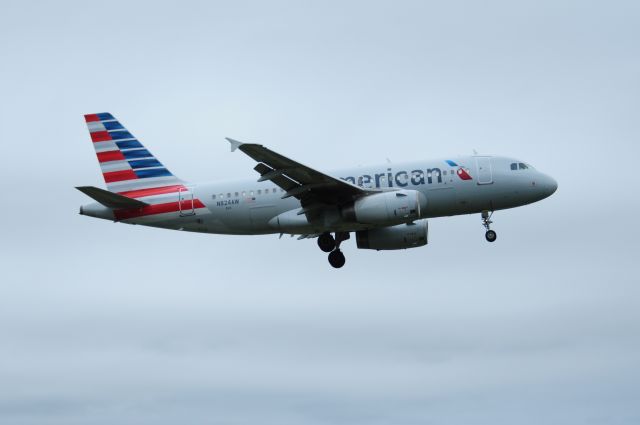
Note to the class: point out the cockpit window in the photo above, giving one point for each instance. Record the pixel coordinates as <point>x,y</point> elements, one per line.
<point>520,166</point>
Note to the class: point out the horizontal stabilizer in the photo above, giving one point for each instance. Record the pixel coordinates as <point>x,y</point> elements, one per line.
<point>110,199</point>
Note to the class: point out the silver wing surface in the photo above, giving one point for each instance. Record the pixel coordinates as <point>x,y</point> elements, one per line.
<point>313,188</point>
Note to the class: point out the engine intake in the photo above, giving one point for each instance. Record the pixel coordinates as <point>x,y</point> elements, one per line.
<point>402,236</point>
<point>398,206</point>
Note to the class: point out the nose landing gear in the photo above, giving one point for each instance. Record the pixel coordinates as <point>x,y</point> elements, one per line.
<point>328,243</point>
<point>490,235</point>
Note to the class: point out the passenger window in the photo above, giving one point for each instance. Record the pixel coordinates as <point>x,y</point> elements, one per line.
<point>229,195</point>
<point>514,166</point>
<point>221,196</point>
<point>213,196</point>
<point>274,190</point>
<point>251,193</point>
<point>259,191</point>
<point>236,194</point>
<point>244,193</point>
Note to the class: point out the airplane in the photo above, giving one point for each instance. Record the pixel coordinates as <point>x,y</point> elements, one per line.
<point>386,206</point>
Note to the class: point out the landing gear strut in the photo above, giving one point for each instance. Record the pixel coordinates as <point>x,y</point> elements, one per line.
<point>336,257</point>
<point>490,235</point>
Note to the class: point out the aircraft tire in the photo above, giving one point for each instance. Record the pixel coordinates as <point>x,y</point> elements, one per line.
<point>491,236</point>
<point>336,259</point>
<point>326,242</point>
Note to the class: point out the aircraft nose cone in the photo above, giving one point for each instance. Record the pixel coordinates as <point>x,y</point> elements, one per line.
<point>554,185</point>
<point>550,185</point>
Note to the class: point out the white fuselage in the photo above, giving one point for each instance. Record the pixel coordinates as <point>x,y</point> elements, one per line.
<point>247,207</point>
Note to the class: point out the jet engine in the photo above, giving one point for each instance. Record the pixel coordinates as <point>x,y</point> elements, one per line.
<point>402,236</point>
<point>398,206</point>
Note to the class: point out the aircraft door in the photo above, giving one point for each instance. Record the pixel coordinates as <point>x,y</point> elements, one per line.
<point>185,201</point>
<point>483,166</point>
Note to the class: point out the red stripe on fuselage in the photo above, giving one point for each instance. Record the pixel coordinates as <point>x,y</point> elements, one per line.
<point>140,193</point>
<point>110,156</point>
<point>100,136</point>
<point>91,117</point>
<point>158,209</point>
<point>117,176</point>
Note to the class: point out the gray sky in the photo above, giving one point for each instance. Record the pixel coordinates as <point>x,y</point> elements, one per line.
<point>104,323</point>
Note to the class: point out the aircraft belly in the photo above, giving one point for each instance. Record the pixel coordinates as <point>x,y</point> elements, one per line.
<point>440,202</point>
<point>247,217</point>
<point>496,196</point>
<point>260,215</point>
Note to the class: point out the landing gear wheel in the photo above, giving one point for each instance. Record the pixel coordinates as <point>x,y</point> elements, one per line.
<point>326,242</point>
<point>490,236</point>
<point>336,259</point>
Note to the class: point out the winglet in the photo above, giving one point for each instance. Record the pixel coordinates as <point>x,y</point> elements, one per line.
<point>234,144</point>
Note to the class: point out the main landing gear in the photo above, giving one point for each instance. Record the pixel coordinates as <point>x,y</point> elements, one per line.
<point>328,243</point>
<point>490,235</point>
<point>336,259</point>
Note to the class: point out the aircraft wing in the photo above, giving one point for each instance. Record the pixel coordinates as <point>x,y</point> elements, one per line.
<point>298,180</point>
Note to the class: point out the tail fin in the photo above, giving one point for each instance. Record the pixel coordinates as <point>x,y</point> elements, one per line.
<point>126,164</point>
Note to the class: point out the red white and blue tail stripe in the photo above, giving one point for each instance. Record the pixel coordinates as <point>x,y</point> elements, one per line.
<point>129,169</point>
<point>126,164</point>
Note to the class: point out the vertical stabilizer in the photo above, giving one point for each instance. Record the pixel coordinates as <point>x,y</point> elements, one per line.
<point>126,164</point>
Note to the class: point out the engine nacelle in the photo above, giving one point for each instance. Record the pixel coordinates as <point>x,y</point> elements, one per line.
<point>398,206</point>
<point>402,236</point>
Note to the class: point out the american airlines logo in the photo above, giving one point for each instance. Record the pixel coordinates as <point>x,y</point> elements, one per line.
<point>462,172</point>
<point>404,178</point>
